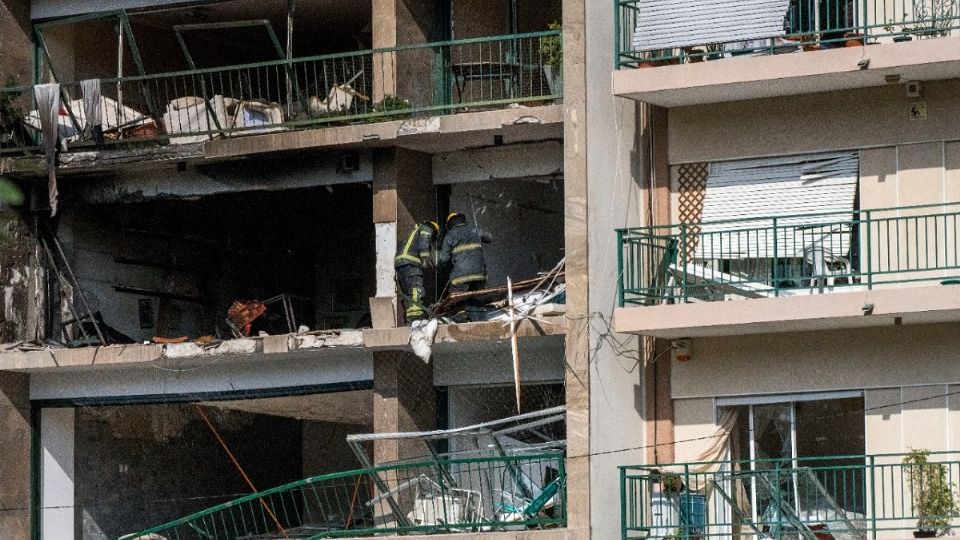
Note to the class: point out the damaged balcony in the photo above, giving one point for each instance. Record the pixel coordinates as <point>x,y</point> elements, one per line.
<point>709,52</point>
<point>206,466</point>
<point>868,267</point>
<point>173,104</point>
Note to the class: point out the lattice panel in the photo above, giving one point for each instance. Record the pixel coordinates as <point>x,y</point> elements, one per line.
<point>691,190</point>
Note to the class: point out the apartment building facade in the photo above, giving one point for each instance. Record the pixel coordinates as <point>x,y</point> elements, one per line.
<point>795,267</point>
<point>281,150</point>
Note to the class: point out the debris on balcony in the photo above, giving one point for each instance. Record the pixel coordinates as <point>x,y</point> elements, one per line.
<point>540,296</point>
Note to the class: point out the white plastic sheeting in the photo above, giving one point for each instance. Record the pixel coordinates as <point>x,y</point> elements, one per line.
<point>665,24</point>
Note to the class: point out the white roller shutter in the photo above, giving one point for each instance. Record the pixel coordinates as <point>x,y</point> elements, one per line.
<point>751,191</point>
<point>664,24</point>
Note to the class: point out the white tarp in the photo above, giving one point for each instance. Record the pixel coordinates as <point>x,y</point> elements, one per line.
<point>112,116</point>
<point>665,24</point>
<point>742,195</point>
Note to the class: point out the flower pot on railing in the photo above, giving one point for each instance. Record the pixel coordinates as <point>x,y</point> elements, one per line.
<point>808,42</point>
<point>853,39</point>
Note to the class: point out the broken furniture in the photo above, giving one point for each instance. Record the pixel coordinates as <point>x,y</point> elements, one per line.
<point>194,119</point>
<point>72,122</point>
<point>338,101</point>
<point>436,505</point>
<point>504,73</point>
<point>242,313</point>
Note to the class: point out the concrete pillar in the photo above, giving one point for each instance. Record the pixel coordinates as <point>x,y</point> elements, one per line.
<point>403,400</point>
<point>384,36</point>
<point>406,74</point>
<point>403,195</point>
<point>657,387</point>
<point>16,435</point>
<point>577,268</point>
<point>58,513</point>
<point>16,60</point>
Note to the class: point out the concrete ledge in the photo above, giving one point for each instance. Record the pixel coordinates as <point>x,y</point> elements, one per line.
<point>399,338</point>
<point>427,134</point>
<point>754,77</point>
<point>144,353</point>
<point>918,305</point>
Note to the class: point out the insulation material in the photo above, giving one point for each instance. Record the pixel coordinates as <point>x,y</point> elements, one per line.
<point>47,114</point>
<point>811,189</point>
<point>112,117</point>
<point>422,334</point>
<point>666,24</point>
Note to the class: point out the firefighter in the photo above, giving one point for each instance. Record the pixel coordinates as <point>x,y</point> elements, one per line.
<point>462,248</point>
<point>412,256</point>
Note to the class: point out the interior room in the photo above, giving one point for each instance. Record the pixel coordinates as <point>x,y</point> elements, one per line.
<point>174,268</point>
<point>138,466</point>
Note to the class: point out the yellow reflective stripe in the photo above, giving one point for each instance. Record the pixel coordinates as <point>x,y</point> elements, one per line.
<point>409,243</point>
<point>466,247</point>
<point>466,279</point>
<point>410,258</point>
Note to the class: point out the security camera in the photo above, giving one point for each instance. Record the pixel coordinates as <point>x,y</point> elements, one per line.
<point>864,63</point>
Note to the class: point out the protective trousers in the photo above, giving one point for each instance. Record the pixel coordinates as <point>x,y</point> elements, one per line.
<point>410,279</point>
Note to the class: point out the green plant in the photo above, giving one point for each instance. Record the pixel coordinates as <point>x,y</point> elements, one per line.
<point>931,491</point>
<point>551,47</point>
<point>392,104</point>
<point>671,484</point>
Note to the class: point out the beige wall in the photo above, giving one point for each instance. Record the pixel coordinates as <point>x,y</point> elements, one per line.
<point>812,123</point>
<point>847,359</point>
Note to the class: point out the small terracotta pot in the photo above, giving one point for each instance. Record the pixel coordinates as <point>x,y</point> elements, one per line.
<point>853,40</point>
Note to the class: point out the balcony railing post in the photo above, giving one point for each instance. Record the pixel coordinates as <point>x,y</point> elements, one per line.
<point>623,503</point>
<point>779,498</point>
<point>872,468</point>
<point>687,501</point>
<point>682,259</point>
<point>869,240</point>
<point>776,260</point>
<point>621,275</point>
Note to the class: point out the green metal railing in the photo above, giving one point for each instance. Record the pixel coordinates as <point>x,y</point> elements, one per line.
<point>446,496</point>
<point>805,498</point>
<point>789,255</point>
<point>356,87</point>
<point>807,25</point>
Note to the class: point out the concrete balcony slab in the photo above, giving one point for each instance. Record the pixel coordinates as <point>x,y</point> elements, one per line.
<point>754,77</point>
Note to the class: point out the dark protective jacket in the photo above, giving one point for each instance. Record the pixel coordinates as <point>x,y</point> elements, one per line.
<point>462,246</point>
<point>415,250</point>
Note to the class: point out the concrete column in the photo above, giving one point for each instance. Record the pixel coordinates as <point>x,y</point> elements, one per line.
<point>15,42</point>
<point>657,387</point>
<point>403,195</point>
<point>15,439</point>
<point>577,268</point>
<point>384,36</point>
<point>57,514</point>
<point>403,400</point>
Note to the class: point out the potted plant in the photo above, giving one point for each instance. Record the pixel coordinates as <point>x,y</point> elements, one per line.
<point>932,494</point>
<point>904,35</point>
<point>551,50</point>
<point>392,105</point>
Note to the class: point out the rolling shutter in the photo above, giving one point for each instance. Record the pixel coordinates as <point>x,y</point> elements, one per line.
<point>664,24</point>
<point>752,191</point>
